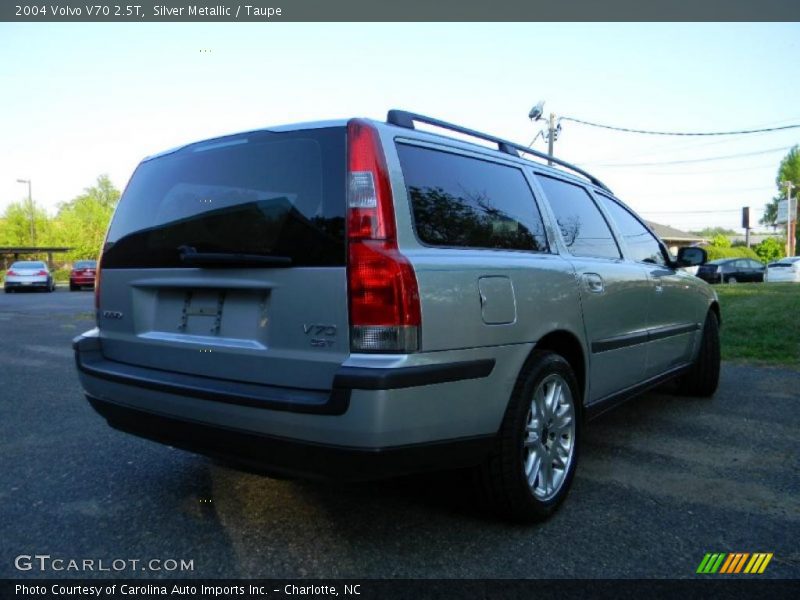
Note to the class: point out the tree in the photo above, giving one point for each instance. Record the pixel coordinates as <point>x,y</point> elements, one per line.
<point>720,241</point>
<point>770,249</point>
<point>16,229</point>
<point>788,170</point>
<point>82,222</point>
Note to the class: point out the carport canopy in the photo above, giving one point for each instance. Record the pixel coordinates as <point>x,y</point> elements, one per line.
<point>21,251</point>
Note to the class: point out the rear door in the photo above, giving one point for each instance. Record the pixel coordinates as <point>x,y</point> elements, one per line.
<point>615,293</point>
<point>226,259</point>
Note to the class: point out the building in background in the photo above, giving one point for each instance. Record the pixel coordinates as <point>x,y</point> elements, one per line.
<point>675,238</point>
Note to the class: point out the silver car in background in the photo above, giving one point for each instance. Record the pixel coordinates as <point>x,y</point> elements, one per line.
<point>29,275</point>
<point>786,269</point>
<point>358,299</point>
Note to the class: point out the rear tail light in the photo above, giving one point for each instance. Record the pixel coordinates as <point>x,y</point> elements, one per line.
<point>382,287</point>
<point>42,272</point>
<point>11,273</point>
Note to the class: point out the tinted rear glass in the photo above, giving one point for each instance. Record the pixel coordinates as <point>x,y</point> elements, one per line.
<point>27,264</point>
<point>466,202</point>
<point>85,264</point>
<point>263,193</point>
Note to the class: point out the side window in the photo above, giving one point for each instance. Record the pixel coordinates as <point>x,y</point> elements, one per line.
<point>642,245</point>
<point>467,202</point>
<point>582,225</point>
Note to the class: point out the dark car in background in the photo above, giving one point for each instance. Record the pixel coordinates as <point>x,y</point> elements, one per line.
<point>82,274</point>
<point>731,270</point>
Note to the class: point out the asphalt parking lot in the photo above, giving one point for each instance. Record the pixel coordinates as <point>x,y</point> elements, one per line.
<point>662,481</point>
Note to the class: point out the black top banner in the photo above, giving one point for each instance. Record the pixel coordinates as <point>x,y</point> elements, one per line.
<point>398,11</point>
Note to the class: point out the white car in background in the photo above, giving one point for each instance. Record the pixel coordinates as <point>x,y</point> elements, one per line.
<point>29,275</point>
<point>785,269</point>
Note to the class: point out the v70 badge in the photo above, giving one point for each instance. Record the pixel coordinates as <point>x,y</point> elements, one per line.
<point>321,333</point>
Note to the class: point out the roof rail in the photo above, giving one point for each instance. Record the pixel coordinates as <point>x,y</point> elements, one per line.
<point>406,119</point>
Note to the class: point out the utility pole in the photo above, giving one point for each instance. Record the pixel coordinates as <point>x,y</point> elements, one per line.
<point>746,224</point>
<point>789,245</point>
<point>31,211</point>
<point>553,128</point>
<point>551,136</point>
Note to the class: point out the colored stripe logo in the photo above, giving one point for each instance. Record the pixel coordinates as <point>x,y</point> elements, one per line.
<point>734,562</point>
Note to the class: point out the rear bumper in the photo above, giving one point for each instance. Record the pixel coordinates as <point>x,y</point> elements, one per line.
<point>90,361</point>
<point>39,283</point>
<point>375,422</point>
<point>275,455</point>
<point>81,280</point>
<point>782,278</point>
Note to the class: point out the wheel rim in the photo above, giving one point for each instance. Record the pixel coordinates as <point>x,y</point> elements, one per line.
<point>732,280</point>
<point>549,442</point>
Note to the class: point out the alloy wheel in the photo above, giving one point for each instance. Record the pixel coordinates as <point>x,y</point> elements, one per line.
<point>549,440</point>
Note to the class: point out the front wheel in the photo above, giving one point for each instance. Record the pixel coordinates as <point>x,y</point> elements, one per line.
<point>733,280</point>
<point>702,378</point>
<point>530,470</point>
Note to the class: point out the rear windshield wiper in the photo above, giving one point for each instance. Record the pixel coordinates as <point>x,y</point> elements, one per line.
<point>191,256</point>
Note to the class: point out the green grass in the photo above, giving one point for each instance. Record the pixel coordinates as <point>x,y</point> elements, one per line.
<point>761,322</point>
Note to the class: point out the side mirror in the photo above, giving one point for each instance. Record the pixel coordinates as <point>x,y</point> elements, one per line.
<point>691,256</point>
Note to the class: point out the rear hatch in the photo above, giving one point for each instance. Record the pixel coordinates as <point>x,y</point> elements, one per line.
<point>226,259</point>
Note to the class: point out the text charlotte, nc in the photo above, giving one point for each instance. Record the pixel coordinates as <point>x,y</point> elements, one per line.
<point>219,10</point>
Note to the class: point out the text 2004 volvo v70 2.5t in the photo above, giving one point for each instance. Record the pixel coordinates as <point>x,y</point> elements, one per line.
<point>357,299</point>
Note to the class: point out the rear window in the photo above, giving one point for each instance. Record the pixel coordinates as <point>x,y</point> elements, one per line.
<point>263,193</point>
<point>582,225</point>
<point>466,202</point>
<point>85,264</point>
<point>27,264</point>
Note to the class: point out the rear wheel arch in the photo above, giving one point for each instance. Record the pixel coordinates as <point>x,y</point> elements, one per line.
<point>567,345</point>
<point>715,307</point>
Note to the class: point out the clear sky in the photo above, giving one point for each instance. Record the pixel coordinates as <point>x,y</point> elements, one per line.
<point>78,100</point>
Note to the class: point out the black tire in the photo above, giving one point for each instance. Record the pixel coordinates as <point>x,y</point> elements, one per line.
<point>503,475</point>
<point>72,287</point>
<point>703,377</point>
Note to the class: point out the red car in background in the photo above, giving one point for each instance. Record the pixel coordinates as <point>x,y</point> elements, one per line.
<point>82,274</point>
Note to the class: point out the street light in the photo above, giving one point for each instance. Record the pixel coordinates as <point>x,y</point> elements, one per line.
<point>30,210</point>
<point>789,245</point>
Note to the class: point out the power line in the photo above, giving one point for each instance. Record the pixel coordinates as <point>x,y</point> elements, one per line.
<point>673,193</point>
<point>680,133</point>
<point>710,171</point>
<point>681,145</point>
<point>694,160</point>
<point>696,212</point>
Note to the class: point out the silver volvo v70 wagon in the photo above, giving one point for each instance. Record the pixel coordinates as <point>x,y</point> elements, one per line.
<point>358,299</point>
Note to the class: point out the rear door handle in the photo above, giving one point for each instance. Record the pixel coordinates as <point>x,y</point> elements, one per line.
<point>593,283</point>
